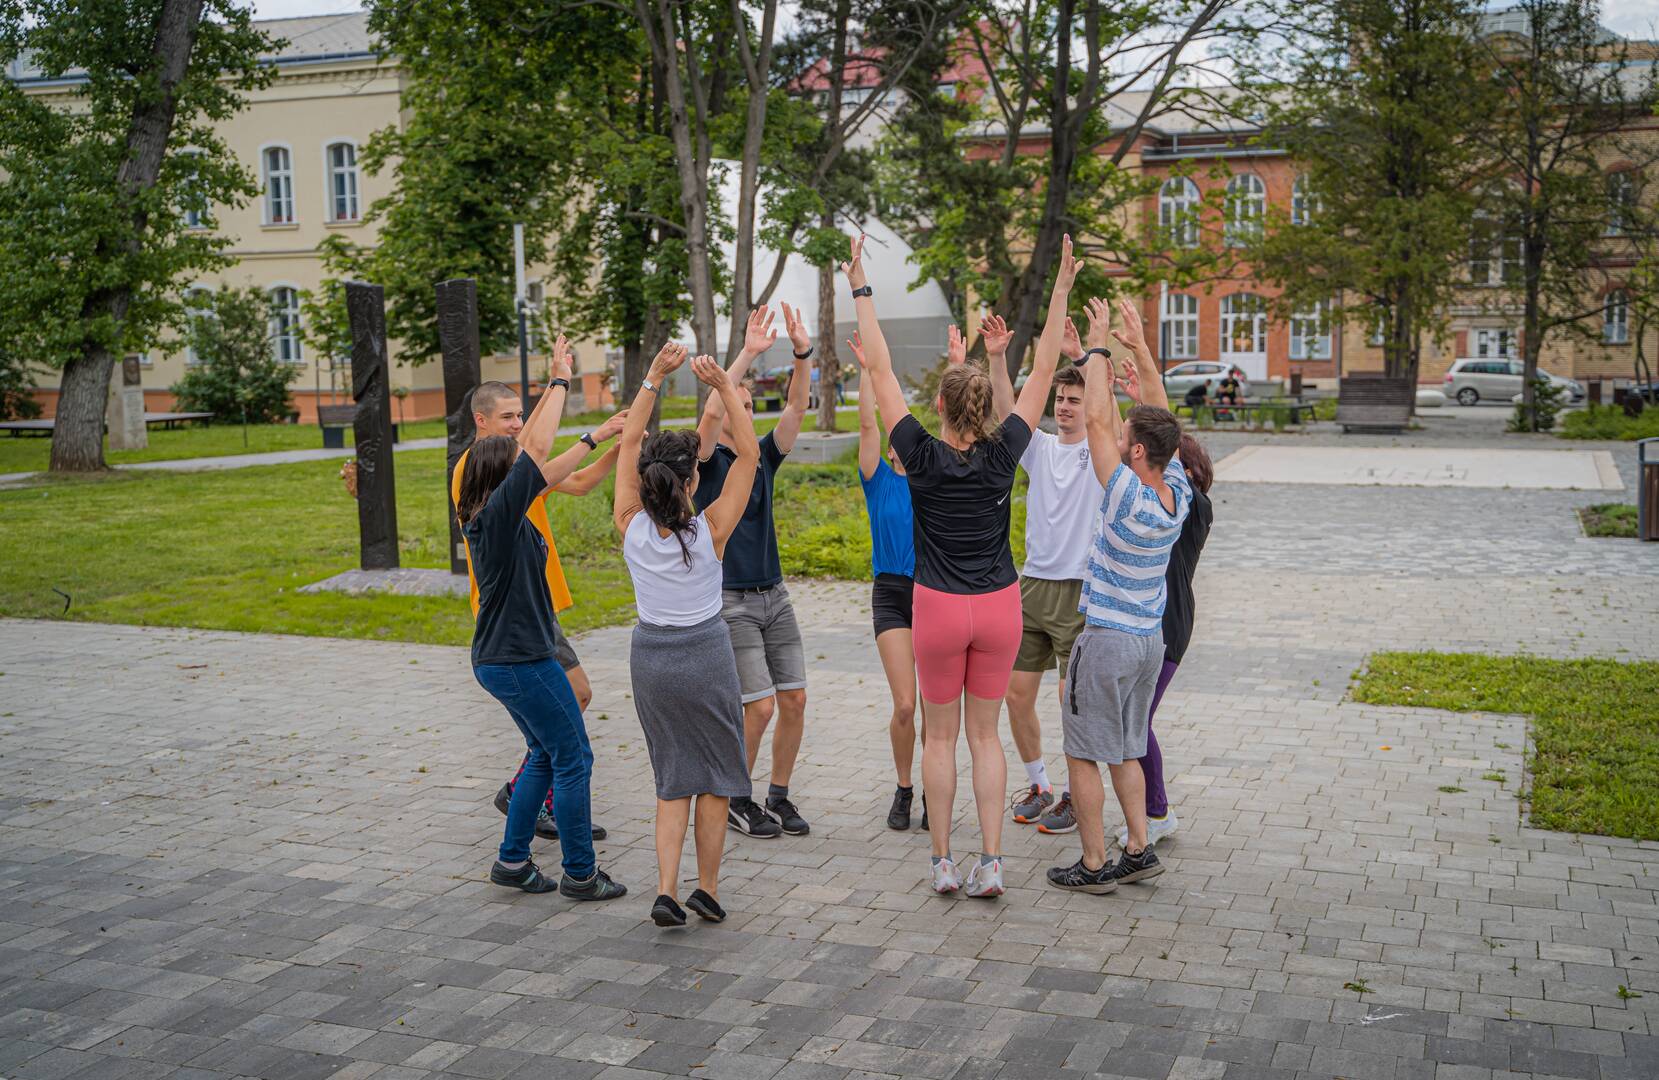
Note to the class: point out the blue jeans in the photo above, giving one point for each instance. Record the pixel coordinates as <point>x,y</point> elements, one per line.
<point>538,697</point>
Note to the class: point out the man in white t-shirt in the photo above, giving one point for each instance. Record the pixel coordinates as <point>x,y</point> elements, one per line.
<point>1062,498</point>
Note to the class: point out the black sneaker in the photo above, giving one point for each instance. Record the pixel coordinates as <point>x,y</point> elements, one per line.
<point>665,912</point>
<point>706,906</point>
<point>545,826</point>
<point>1137,867</point>
<point>899,816</point>
<point>746,816</point>
<point>527,877</point>
<point>789,818</point>
<point>1078,878</point>
<point>598,887</point>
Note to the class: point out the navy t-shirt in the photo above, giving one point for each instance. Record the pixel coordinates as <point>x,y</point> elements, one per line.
<point>509,561</point>
<point>751,560</point>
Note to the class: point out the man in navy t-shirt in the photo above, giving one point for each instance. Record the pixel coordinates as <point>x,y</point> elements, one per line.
<point>771,662</point>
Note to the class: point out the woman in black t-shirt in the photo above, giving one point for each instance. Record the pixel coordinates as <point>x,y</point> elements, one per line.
<point>512,644</point>
<point>967,598</point>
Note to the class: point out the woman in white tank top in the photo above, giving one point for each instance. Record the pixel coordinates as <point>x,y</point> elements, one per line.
<point>684,672</point>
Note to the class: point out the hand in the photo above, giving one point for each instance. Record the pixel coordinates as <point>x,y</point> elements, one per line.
<point>796,328</point>
<point>854,266</point>
<point>759,335</point>
<point>1130,380</point>
<point>1132,335</point>
<point>1069,265</point>
<point>956,346</point>
<point>611,428</point>
<point>710,373</point>
<point>1070,345</point>
<point>996,335</point>
<point>667,361</point>
<point>560,364</point>
<point>856,344</point>
<point>1100,321</point>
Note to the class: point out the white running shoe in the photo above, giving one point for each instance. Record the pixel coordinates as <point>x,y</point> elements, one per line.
<point>945,878</point>
<point>1157,828</point>
<point>985,879</point>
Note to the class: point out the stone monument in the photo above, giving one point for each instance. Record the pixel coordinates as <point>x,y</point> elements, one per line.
<point>371,390</point>
<point>124,415</point>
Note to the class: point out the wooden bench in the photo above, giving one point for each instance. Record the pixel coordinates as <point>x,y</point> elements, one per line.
<point>1372,401</point>
<point>168,420</point>
<point>334,420</point>
<point>1260,412</point>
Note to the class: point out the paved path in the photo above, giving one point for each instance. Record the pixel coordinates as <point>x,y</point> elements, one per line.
<point>230,854</point>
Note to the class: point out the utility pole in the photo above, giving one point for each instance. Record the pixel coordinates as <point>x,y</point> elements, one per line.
<point>521,303</point>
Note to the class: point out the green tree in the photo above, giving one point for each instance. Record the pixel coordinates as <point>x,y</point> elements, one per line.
<point>17,401</point>
<point>1375,106</point>
<point>93,243</point>
<point>237,375</point>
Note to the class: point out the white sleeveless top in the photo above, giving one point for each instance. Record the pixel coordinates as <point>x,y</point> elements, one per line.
<point>666,591</point>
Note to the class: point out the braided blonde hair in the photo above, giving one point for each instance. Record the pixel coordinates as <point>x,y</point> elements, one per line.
<point>965,402</point>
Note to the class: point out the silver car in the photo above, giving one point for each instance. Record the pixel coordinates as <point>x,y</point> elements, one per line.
<point>1182,377</point>
<point>1497,379</point>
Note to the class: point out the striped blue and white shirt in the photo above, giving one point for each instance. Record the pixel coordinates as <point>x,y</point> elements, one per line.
<point>1133,536</point>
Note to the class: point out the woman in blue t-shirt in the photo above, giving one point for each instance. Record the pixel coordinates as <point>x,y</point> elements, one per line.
<point>893,562</point>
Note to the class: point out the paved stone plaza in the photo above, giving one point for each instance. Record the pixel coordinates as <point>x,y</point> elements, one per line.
<point>225,854</point>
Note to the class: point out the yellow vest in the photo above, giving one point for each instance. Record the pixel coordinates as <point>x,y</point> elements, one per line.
<point>537,514</point>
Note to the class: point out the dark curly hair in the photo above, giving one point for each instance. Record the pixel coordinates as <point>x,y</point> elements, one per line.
<point>666,463</point>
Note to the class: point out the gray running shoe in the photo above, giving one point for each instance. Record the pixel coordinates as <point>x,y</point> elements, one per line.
<point>1061,819</point>
<point>1028,806</point>
<point>984,879</point>
<point>945,878</point>
<point>1157,828</point>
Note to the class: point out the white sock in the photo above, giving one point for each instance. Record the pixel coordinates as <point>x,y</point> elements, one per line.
<point>1037,773</point>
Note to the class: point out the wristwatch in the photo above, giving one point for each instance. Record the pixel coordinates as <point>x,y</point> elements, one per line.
<point>1107,353</point>
<point>804,355</point>
<point>647,384</point>
<point>559,382</point>
<point>863,291</point>
<point>588,438</point>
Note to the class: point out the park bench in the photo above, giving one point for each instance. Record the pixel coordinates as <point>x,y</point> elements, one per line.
<point>1372,401</point>
<point>1260,412</point>
<point>168,420</point>
<point>334,420</point>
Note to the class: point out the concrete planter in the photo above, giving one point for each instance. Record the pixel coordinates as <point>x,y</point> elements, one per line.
<point>817,448</point>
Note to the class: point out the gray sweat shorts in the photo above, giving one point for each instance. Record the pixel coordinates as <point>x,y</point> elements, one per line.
<point>1109,688</point>
<point>766,640</point>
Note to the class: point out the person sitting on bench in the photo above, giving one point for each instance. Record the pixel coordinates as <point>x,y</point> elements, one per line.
<point>1198,396</point>
<point>1228,392</point>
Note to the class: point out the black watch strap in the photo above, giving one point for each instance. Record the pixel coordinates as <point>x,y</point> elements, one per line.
<point>588,438</point>
<point>1107,353</point>
<point>559,382</point>
<point>804,355</point>
<point>863,291</point>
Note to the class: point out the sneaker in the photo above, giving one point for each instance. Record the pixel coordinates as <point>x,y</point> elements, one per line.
<point>706,906</point>
<point>898,817</point>
<point>598,887</point>
<point>1157,828</point>
<point>545,827</point>
<point>1078,878</point>
<point>1028,806</point>
<point>746,816</point>
<point>1061,819</point>
<point>789,818</point>
<point>945,878</point>
<point>665,912</point>
<point>1136,867</point>
<point>527,877</point>
<point>984,879</point>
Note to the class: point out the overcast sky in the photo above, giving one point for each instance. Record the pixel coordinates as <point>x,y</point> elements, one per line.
<point>1633,18</point>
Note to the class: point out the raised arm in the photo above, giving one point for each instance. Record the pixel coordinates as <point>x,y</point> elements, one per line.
<point>996,336</point>
<point>877,361</point>
<point>627,504</point>
<point>588,477</point>
<point>869,434</point>
<point>1133,335</point>
<point>800,382</point>
<point>1034,397</point>
<point>1100,407</point>
<point>758,336</point>
<point>725,512</point>
<point>536,437</point>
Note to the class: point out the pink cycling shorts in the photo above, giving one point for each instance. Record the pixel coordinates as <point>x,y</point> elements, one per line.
<point>965,641</point>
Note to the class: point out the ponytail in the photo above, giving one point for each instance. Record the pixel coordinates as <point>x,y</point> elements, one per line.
<point>965,394</point>
<point>666,462</point>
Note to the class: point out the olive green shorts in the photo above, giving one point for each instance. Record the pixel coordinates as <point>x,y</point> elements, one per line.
<point>1052,623</point>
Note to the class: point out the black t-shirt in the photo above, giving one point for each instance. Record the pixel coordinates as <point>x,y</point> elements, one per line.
<point>509,562</point>
<point>961,503</point>
<point>751,560</point>
<point>1183,561</point>
<point>1197,394</point>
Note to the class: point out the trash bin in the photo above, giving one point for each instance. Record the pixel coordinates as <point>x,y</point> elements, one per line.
<point>1296,384</point>
<point>1647,489</point>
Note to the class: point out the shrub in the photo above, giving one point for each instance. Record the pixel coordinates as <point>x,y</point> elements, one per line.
<point>1546,404</point>
<point>16,401</point>
<point>1610,422</point>
<point>239,377</point>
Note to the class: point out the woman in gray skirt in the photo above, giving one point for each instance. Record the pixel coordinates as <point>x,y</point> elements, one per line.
<point>684,672</point>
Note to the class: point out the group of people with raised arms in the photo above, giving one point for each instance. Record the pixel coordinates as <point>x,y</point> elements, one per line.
<point>717,658</point>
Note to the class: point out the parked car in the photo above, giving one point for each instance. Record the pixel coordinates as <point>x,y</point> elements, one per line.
<point>1497,379</point>
<point>774,382</point>
<point>1184,376</point>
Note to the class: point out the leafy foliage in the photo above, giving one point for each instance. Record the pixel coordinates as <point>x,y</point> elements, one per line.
<point>1610,422</point>
<point>16,401</point>
<point>238,376</point>
<point>1547,402</point>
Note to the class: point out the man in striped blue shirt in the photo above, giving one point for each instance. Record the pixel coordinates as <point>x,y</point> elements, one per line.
<point>1115,663</point>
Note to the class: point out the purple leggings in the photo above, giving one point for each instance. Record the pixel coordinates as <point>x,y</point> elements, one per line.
<point>1152,765</point>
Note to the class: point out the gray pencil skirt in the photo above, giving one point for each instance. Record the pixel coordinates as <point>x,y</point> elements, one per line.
<point>688,701</point>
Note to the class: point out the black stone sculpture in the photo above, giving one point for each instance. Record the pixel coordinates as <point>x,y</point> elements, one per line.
<point>458,339</point>
<point>371,390</point>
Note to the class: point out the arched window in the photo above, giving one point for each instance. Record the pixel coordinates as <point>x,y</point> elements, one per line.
<point>1615,318</point>
<point>342,182</point>
<point>285,325</point>
<point>1178,211</point>
<point>1621,201</point>
<point>1243,324</point>
<point>279,185</point>
<point>1305,203</point>
<point>1178,327</point>
<point>1310,333</point>
<point>1246,203</point>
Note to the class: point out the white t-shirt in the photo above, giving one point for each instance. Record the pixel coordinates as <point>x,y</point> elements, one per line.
<point>667,592</point>
<point>1060,507</point>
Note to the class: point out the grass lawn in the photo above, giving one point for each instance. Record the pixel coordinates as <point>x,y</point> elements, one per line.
<point>1594,760</point>
<point>1609,519</point>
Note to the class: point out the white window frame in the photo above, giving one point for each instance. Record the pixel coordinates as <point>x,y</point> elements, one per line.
<point>1246,207</point>
<point>1495,343</point>
<point>1621,198</point>
<point>190,358</point>
<point>192,218</point>
<point>277,187</point>
<point>1615,318</point>
<point>354,178</point>
<point>1178,327</point>
<point>1178,211</point>
<point>1239,305</point>
<point>1310,332</point>
<point>1495,257</point>
<point>284,324</point>
<point>1305,203</point>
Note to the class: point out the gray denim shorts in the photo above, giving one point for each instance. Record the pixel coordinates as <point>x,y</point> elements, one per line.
<point>766,640</point>
<point>1109,686</point>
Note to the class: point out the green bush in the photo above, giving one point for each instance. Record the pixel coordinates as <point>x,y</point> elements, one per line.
<point>1546,403</point>
<point>16,401</point>
<point>1610,422</point>
<point>239,377</point>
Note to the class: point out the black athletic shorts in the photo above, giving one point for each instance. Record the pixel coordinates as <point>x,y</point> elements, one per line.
<point>890,599</point>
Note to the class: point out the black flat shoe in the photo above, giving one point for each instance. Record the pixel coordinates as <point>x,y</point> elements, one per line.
<point>706,907</point>
<point>665,912</point>
<point>898,816</point>
<point>527,877</point>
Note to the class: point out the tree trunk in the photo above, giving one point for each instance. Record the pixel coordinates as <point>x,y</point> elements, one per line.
<point>78,435</point>
<point>694,173</point>
<point>756,63</point>
<point>829,366</point>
